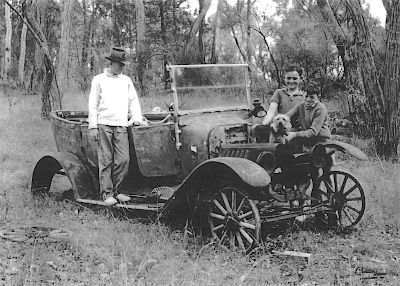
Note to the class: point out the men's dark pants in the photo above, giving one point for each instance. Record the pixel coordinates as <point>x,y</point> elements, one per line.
<point>113,156</point>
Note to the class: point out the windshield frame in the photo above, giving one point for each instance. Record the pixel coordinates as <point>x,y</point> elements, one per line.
<point>172,69</point>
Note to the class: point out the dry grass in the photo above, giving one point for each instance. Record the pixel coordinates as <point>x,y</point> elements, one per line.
<point>106,250</point>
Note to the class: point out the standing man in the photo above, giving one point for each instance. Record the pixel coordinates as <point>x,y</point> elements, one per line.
<point>112,101</point>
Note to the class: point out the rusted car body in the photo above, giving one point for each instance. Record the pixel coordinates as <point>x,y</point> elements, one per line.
<point>202,167</point>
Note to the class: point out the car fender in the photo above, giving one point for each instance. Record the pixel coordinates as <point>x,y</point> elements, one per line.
<point>78,174</point>
<point>345,147</point>
<point>201,184</point>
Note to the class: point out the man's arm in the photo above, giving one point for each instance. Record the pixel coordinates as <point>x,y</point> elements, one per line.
<point>134,109</point>
<point>272,110</point>
<point>94,97</point>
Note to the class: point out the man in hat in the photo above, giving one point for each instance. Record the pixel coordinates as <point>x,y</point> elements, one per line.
<point>113,105</point>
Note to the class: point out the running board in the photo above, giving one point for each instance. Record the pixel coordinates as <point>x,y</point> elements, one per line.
<point>145,207</point>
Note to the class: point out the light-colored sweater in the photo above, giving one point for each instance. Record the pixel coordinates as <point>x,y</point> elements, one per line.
<point>113,100</point>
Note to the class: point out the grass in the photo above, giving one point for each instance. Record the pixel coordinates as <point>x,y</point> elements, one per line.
<point>109,250</point>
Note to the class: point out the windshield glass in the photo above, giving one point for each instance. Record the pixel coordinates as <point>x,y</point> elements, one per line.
<point>210,86</point>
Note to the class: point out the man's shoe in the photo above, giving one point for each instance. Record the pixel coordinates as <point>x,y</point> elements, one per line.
<point>110,201</point>
<point>123,198</point>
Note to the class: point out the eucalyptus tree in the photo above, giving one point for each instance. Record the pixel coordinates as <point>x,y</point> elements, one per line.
<point>64,47</point>
<point>7,44</point>
<point>380,82</point>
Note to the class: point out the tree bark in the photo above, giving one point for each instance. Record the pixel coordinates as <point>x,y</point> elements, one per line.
<point>387,144</point>
<point>242,53</point>
<point>62,69</point>
<point>22,53</point>
<point>216,44</point>
<point>7,48</point>
<point>248,34</point>
<point>116,28</point>
<point>140,43</point>
<point>164,41</point>
<point>200,38</point>
<point>196,25</point>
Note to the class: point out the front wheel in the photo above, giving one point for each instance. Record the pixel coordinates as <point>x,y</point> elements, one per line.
<point>234,219</point>
<point>344,195</point>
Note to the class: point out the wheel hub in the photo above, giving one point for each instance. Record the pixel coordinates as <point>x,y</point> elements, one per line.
<point>231,223</point>
<point>338,201</point>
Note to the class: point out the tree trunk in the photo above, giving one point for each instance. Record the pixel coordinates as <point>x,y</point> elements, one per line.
<point>7,48</point>
<point>38,70</point>
<point>387,144</point>
<point>87,29</point>
<point>165,44</point>
<point>237,42</point>
<point>22,53</point>
<point>200,38</point>
<point>86,35</point>
<point>174,21</point>
<point>216,43</point>
<point>248,34</point>
<point>62,69</point>
<point>140,43</point>
<point>196,25</point>
<point>116,29</point>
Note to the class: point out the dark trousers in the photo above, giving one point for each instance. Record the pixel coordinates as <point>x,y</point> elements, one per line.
<point>113,156</point>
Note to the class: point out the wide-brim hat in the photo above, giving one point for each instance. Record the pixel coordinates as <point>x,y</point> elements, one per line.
<point>117,55</point>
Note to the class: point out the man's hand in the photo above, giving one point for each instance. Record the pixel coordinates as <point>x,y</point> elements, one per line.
<point>142,123</point>
<point>137,123</point>
<point>94,134</point>
<point>290,136</point>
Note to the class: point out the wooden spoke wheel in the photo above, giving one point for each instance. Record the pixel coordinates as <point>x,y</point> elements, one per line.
<point>234,220</point>
<point>344,194</point>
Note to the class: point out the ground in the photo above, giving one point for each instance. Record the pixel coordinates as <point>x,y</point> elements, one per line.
<point>105,249</point>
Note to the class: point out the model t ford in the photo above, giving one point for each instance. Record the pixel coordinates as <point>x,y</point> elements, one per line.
<point>197,164</point>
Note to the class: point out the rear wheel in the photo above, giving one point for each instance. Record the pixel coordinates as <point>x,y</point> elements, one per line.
<point>344,194</point>
<point>234,220</point>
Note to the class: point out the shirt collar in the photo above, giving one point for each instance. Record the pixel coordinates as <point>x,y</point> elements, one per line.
<point>107,72</point>
<point>297,93</point>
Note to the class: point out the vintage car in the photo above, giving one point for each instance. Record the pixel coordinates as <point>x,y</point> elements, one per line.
<point>197,164</point>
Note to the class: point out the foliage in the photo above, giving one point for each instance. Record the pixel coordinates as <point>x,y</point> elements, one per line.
<point>298,38</point>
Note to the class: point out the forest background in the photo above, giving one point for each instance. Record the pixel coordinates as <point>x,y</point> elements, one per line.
<point>52,48</point>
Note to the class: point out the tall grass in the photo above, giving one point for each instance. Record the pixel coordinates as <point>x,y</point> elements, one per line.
<point>109,250</point>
